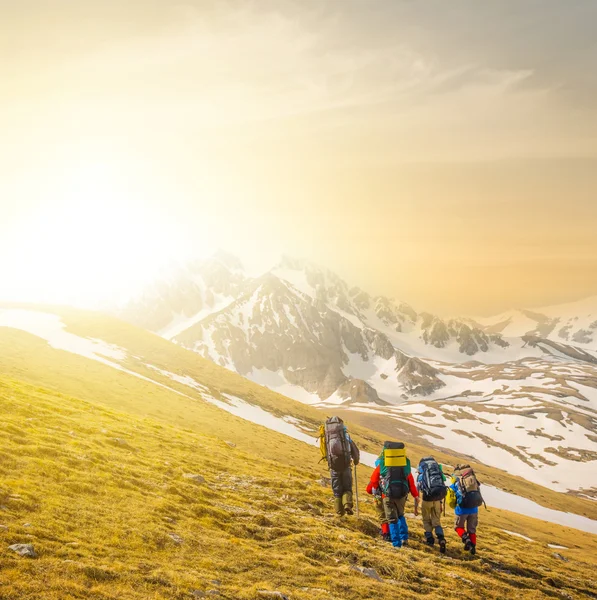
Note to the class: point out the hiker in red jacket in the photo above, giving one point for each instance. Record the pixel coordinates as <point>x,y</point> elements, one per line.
<point>394,507</point>
<point>373,488</point>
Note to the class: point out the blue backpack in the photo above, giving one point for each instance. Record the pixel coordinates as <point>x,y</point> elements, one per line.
<point>431,480</point>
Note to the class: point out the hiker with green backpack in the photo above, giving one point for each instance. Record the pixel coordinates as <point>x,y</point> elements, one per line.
<point>464,496</point>
<point>339,451</point>
<point>392,475</point>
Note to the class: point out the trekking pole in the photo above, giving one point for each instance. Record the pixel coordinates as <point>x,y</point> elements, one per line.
<point>356,489</point>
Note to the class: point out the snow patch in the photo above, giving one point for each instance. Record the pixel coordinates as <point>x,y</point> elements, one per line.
<point>275,380</point>
<point>50,327</point>
<point>524,537</point>
<point>255,414</point>
<point>181,322</point>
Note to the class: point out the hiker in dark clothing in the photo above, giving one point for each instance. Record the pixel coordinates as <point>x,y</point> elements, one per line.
<point>339,450</point>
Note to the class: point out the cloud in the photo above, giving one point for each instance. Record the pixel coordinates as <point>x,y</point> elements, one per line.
<point>404,75</point>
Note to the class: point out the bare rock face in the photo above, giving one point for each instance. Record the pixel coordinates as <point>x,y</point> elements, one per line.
<point>379,343</point>
<point>419,378</point>
<point>549,346</point>
<point>435,331</point>
<point>400,317</point>
<point>357,391</point>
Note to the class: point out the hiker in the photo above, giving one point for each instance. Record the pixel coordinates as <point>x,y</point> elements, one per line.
<point>337,447</point>
<point>431,486</point>
<point>393,477</point>
<point>373,489</point>
<point>465,497</point>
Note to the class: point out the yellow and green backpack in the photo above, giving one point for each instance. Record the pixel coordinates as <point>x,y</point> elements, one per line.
<point>394,469</point>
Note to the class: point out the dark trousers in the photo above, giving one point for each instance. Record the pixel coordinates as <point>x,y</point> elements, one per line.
<point>342,489</point>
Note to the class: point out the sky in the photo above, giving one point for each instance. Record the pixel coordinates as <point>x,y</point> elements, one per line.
<point>441,153</point>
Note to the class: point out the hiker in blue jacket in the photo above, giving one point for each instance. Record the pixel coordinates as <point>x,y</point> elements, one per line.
<point>466,519</point>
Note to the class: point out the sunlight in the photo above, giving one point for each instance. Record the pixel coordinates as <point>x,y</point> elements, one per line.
<point>96,239</point>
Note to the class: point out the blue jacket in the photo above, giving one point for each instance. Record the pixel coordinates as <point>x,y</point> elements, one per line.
<point>459,511</point>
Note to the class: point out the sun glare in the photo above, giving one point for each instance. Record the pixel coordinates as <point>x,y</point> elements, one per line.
<point>97,239</point>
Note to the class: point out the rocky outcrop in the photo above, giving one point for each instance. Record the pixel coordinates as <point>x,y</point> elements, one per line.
<point>419,378</point>
<point>400,317</point>
<point>435,331</point>
<point>25,550</point>
<point>357,391</point>
<point>551,347</point>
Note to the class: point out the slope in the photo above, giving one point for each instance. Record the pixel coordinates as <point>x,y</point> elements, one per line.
<point>118,506</point>
<point>169,383</point>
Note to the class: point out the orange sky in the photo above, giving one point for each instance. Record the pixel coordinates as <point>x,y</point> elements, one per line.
<point>446,156</point>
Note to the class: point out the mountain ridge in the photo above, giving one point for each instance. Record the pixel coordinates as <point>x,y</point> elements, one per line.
<point>529,401</point>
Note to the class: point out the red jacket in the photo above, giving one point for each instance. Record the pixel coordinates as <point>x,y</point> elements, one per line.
<point>374,483</point>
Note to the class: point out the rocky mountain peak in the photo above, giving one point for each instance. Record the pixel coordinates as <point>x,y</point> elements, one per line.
<point>302,325</point>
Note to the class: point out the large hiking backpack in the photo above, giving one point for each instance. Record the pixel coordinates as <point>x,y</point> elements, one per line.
<point>335,444</point>
<point>469,487</point>
<point>394,469</point>
<point>431,480</point>
<point>451,498</point>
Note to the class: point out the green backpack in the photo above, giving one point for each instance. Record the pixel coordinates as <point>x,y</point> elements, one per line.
<point>394,469</point>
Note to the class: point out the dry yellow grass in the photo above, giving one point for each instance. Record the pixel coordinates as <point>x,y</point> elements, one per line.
<point>98,492</point>
<point>92,465</point>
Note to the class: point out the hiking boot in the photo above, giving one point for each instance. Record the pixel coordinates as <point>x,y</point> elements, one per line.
<point>339,507</point>
<point>473,549</point>
<point>405,543</point>
<point>348,510</point>
<point>442,546</point>
<point>387,537</point>
<point>429,541</point>
<point>466,540</point>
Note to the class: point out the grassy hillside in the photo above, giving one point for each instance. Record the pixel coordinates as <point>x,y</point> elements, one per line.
<point>102,495</point>
<point>30,359</point>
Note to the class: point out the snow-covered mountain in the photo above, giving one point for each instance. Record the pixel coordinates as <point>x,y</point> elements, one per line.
<point>517,391</point>
<point>302,330</point>
<point>189,294</point>
<point>573,323</point>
